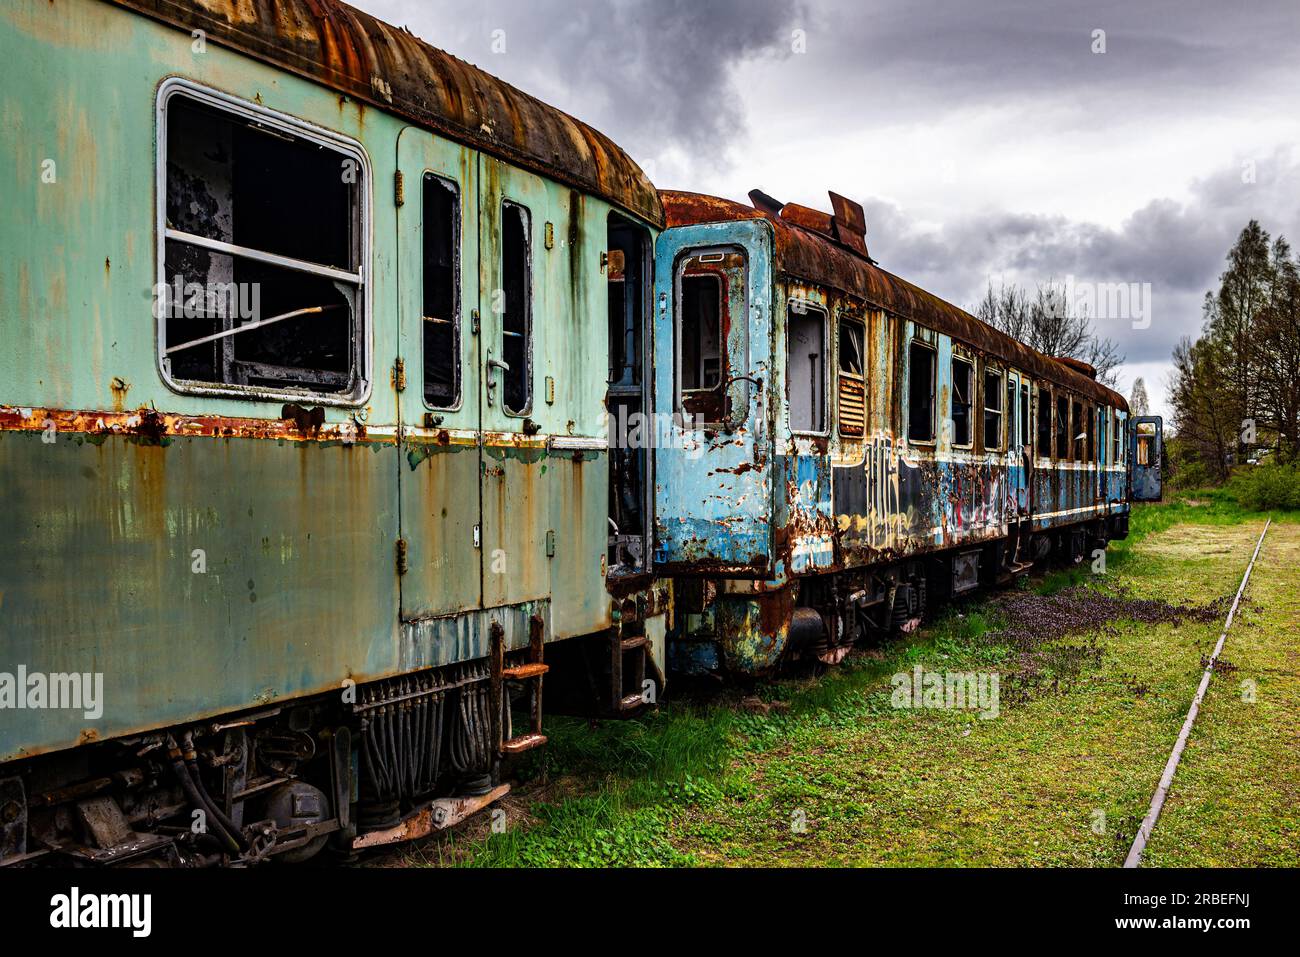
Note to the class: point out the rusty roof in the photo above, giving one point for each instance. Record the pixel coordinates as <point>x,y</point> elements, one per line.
<point>354,53</point>
<point>805,249</point>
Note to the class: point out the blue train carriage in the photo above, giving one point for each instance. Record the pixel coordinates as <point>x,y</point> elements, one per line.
<point>848,448</point>
<point>309,330</point>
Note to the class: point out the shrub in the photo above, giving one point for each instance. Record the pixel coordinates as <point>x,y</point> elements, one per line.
<point>1263,487</point>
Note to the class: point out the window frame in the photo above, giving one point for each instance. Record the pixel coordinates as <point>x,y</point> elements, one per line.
<point>801,307</point>
<point>840,373</point>
<point>362,326</point>
<point>1026,399</point>
<point>1047,428</point>
<point>970,402</point>
<point>917,343</point>
<point>1001,392</point>
<point>725,418</point>
<point>529,333</point>
<point>457,329</point>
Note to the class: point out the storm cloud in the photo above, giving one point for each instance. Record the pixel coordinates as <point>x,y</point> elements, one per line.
<point>1016,140</point>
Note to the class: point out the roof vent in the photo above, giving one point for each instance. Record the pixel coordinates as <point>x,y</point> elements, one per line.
<point>850,224</point>
<point>1078,365</point>
<point>765,203</point>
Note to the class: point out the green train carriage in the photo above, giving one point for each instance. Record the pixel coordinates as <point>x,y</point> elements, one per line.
<point>309,330</point>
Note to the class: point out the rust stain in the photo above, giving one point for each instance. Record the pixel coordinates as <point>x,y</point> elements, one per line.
<point>152,427</point>
<point>813,246</point>
<point>373,62</point>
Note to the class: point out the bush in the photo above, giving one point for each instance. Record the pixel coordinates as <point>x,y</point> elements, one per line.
<point>1263,487</point>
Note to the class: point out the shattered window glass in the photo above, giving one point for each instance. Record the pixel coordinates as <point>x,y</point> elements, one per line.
<point>261,273</point>
<point>441,312</point>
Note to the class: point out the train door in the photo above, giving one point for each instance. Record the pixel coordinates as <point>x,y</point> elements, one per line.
<point>1145,452</point>
<point>437,375</point>
<point>626,274</point>
<point>713,494</point>
<point>519,326</point>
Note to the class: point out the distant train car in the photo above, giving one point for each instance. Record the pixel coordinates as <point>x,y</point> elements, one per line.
<point>849,448</point>
<point>308,336</point>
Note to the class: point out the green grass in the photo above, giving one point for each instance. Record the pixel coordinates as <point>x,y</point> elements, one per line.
<point>842,777</point>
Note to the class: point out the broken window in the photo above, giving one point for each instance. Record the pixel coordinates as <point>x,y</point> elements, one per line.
<point>852,384</point>
<point>1118,438</point>
<point>441,312</point>
<point>1011,412</point>
<point>1044,423</point>
<point>1146,434</point>
<point>805,367</point>
<point>963,377</point>
<point>992,409</point>
<point>1089,433</point>
<point>921,362</point>
<point>710,287</point>
<point>1024,416</point>
<point>517,308</point>
<point>1080,431</point>
<point>1062,428</point>
<point>263,246</point>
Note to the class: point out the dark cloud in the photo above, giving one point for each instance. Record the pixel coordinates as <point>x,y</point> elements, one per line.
<point>1177,247</point>
<point>653,75</point>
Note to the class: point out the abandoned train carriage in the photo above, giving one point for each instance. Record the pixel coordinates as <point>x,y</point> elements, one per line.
<point>864,446</point>
<point>302,431</point>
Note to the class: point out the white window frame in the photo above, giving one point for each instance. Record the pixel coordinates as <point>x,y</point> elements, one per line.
<point>362,330</point>
<point>800,307</point>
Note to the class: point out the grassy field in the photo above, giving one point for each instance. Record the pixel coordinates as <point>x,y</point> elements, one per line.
<point>1094,687</point>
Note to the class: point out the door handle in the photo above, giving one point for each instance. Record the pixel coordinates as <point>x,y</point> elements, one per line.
<point>493,363</point>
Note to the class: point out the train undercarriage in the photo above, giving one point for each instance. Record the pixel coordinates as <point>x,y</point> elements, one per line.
<point>740,628</point>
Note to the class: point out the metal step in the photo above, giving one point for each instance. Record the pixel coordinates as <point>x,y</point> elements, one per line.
<point>523,742</point>
<point>525,671</point>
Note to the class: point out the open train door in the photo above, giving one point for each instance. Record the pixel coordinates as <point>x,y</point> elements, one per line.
<point>713,488</point>
<point>1146,452</point>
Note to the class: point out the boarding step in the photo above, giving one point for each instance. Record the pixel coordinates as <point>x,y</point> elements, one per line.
<point>527,673</point>
<point>522,743</point>
<point>631,702</point>
<point>627,660</point>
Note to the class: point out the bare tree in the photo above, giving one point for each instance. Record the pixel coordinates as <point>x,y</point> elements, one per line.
<point>1048,322</point>
<point>1137,403</point>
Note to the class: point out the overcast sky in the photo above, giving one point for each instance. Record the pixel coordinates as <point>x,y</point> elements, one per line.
<point>987,140</point>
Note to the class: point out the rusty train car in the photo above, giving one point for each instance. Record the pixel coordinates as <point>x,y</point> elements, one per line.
<point>349,395</point>
<point>302,438</point>
<point>855,448</point>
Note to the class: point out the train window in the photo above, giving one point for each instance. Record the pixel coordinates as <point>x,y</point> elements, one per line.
<point>963,377</point>
<point>852,384</point>
<point>1089,433</point>
<point>1011,413</point>
<point>517,308</point>
<point>805,367</point>
<point>1078,422</point>
<point>263,245</point>
<point>701,326</point>
<point>921,361</point>
<point>710,287</point>
<point>1118,438</point>
<point>1062,425</point>
<point>1044,423</point>
<point>441,312</point>
<point>1103,430</point>
<point>992,409</point>
<point>1024,416</point>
